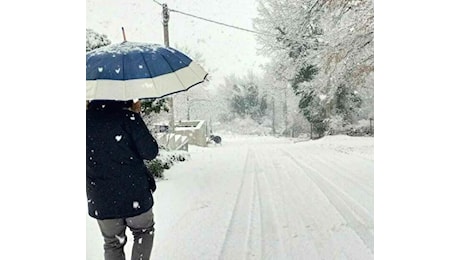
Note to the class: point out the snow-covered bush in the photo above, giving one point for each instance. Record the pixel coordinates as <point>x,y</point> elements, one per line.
<point>164,161</point>
<point>336,125</point>
<point>362,128</point>
<point>95,40</point>
<point>156,167</point>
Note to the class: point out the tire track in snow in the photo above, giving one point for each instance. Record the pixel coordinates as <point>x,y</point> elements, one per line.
<point>236,244</point>
<point>346,161</point>
<point>272,239</point>
<point>254,244</point>
<point>357,217</point>
<point>357,188</point>
<point>293,220</point>
<point>309,204</point>
<point>254,230</point>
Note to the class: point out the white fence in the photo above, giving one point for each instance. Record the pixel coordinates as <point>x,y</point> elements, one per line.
<point>193,132</point>
<point>172,141</point>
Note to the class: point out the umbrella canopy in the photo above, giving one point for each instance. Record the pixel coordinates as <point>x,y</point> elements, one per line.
<point>131,70</point>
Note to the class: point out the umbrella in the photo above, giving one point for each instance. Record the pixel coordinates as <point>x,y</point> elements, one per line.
<point>132,70</point>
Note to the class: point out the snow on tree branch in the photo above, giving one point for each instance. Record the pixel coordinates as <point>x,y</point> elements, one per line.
<point>336,37</point>
<point>95,40</point>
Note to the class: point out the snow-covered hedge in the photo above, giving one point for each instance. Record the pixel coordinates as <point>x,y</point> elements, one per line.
<point>165,160</point>
<point>361,128</point>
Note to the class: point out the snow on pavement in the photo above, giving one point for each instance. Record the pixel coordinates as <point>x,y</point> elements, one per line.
<point>264,198</point>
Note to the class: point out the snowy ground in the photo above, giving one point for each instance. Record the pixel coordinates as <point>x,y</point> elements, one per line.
<point>265,198</point>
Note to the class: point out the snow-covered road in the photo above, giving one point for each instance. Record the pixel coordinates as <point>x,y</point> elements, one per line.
<point>265,198</point>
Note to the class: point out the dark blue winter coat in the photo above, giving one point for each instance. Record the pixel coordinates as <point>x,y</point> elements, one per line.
<point>117,180</point>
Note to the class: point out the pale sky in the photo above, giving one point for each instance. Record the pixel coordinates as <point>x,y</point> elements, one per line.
<point>225,50</point>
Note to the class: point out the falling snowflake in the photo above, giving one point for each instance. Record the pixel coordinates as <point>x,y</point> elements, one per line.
<point>136,205</point>
<point>117,70</point>
<point>100,69</point>
<point>140,240</point>
<point>95,213</point>
<point>118,138</point>
<point>140,66</point>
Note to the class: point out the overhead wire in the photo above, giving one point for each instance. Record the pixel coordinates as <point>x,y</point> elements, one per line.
<point>212,21</point>
<point>224,24</point>
<point>220,23</point>
<point>158,3</point>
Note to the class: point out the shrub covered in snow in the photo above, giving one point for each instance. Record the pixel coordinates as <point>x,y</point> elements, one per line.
<point>164,161</point>
<point>337,126</point>
<point>362,128</point>
<point>95,40</point>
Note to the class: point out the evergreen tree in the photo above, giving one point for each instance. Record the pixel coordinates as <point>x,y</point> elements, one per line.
<point>246,101</point>
<point>314,111</point>
<point>347,104</point>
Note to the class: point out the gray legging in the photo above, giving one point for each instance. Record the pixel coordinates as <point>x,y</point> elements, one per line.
<point>113,231</point>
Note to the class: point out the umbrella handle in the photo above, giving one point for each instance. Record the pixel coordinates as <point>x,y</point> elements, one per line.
<point>124,35</point>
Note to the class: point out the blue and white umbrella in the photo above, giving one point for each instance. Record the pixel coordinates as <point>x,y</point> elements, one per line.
<point>131,70</point>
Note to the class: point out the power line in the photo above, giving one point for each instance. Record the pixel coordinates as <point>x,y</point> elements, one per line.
<point>229,25</point>
<point>212,21</point>
<point>234,27</point>
<point>216,22</point>
<point>157,2</point>
<point>220,23</point>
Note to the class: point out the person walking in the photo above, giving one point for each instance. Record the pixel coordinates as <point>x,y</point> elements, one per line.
<point>119,186</point>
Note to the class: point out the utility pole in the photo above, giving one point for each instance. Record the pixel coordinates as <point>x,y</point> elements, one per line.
<point>165,24</point>
<point>273,118</point>
<point>285,112</point>
<point>188,108</point>
<point>166,42</point>
<point>311,131</point>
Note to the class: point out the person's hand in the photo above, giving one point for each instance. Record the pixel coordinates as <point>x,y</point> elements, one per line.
<point>136,107</point>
